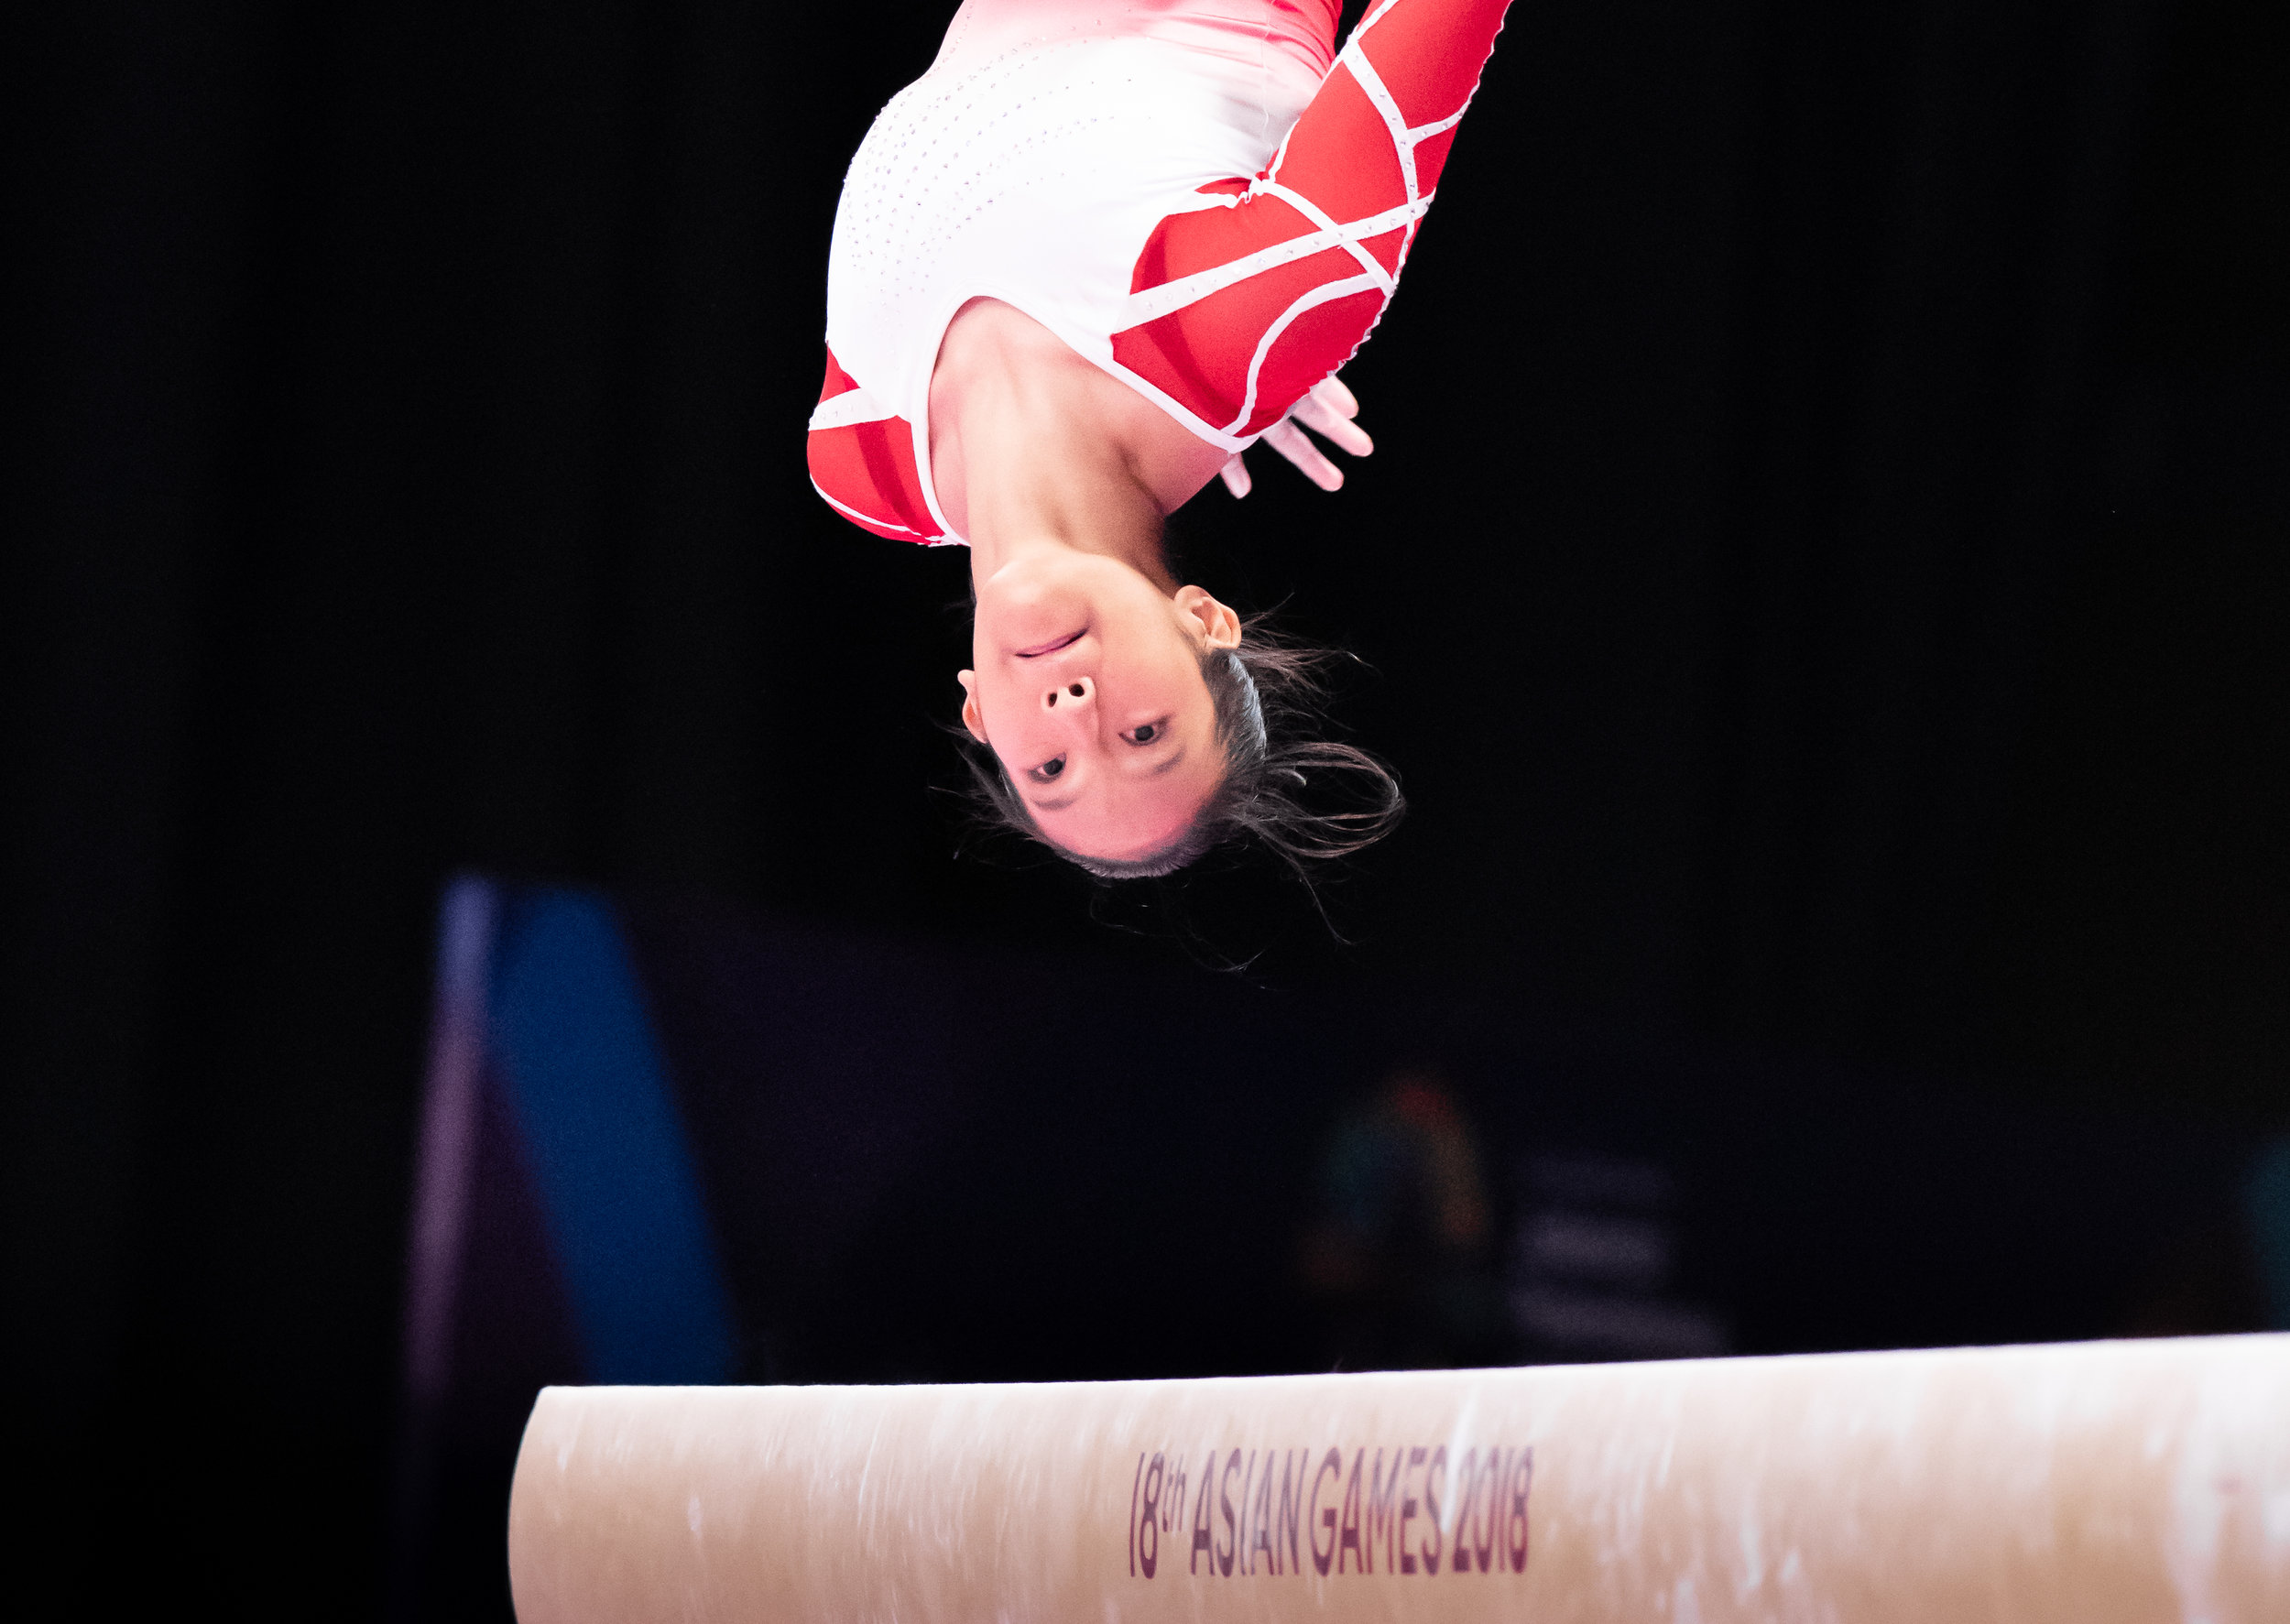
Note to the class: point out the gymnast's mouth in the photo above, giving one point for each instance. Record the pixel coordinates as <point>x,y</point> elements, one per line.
<point>1052,646</point>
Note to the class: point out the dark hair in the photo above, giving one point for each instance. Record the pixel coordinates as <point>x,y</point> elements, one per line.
<point>1267,693</point>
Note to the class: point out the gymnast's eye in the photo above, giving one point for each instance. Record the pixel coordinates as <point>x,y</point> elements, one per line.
<point>1048,770</point>
<point>1144,733</point>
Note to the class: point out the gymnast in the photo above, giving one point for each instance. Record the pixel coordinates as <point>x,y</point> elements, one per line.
<point>1079,266</point>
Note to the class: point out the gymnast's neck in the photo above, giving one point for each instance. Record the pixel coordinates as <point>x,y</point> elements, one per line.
<point>1032,446</point>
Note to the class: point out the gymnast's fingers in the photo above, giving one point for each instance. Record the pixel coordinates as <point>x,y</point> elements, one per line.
<point>1315,414</point>
<point>1336,396</point>
<point>1235,473</point>
<point>1294,444</point>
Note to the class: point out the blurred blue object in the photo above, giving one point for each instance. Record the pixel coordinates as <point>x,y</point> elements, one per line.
<point>2267,1204</point>
<point>606,1147</point>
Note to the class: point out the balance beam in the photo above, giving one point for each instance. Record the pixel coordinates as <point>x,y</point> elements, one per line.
<point>2085,1484</point>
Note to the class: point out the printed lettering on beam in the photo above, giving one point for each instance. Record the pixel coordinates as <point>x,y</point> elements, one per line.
<point>1343,1510</point>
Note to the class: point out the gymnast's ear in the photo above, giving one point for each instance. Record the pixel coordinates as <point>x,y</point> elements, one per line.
<point>1219,626</point>
<point>971,717</point>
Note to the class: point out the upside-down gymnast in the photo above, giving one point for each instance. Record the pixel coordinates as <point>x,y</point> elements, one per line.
<point>1079,266</point>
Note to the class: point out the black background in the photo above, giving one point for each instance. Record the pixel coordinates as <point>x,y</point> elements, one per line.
<point>1821,572</point>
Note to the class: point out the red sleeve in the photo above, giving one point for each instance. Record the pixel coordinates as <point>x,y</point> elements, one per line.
<point>865,466</point>
<point>1260,300</point>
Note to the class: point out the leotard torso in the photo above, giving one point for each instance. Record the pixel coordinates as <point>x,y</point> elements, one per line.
<point>1201,197</point>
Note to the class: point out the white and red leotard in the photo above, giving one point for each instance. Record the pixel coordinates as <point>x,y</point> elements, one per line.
<point>1202,197</point>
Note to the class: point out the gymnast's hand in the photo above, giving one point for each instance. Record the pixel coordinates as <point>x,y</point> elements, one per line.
<point>1328,410</point>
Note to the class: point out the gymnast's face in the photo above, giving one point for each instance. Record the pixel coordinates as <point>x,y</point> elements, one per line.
<point>1088,689</point>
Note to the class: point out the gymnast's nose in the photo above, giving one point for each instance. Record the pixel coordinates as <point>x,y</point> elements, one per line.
<point>1073,698</point>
